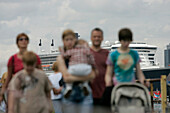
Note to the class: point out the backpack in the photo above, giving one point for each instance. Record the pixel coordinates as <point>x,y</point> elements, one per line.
<point>130,98</point>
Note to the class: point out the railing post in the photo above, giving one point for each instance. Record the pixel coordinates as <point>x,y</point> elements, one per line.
<point>163,93</point>
<point>151,86</point>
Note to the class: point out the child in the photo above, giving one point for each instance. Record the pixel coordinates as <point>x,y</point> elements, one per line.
<point>4,76</point>
<point>123,61</point>
<point>81,62</point>
<point>57,82</point>
<point>3,103</point>
<point>29,89</point>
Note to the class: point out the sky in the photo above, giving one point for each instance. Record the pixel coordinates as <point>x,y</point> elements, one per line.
<point>149,21</point>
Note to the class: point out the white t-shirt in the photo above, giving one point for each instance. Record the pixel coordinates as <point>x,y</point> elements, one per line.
<point>55,78</point>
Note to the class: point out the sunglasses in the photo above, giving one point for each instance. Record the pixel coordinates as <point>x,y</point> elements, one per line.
<point>21,39</point>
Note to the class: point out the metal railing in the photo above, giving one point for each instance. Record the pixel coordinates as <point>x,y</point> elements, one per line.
<point>163,100</point>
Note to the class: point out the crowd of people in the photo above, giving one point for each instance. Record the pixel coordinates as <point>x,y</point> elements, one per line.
<point>83,77</point>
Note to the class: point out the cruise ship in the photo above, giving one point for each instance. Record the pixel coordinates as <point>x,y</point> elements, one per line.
<point>146,53</point>
<point>47,59</point>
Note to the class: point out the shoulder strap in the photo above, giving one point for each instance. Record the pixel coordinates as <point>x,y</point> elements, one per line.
<point>13,64</point>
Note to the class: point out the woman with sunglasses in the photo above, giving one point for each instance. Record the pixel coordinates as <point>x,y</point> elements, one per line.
<point>15,63</point>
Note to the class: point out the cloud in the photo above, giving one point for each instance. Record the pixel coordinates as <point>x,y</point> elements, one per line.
<point>44,19</point>
<point>103,21</point>
<point>66,13</point>
<point>166,28</point>
<point>150,2</point>
<point>17,22</point>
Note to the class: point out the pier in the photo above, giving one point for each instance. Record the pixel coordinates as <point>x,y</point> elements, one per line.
<point>157,78</point>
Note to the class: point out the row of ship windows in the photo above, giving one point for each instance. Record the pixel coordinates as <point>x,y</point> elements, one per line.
<point>42,58</point>
<point>47,68</point>
<point>139,48</point>
<point>147,54</point>
<point>47,60</point>
<point>149,58</point>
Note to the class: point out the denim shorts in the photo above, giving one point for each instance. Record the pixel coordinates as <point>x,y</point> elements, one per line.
<point>77,102</point>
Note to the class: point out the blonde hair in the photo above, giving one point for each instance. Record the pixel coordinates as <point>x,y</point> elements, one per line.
<point>4,76</point>
<point>29,58</point>
<point>55,66</point>
<point>81,42</point>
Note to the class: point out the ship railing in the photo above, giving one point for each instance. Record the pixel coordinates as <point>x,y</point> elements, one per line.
<point>163,99</point>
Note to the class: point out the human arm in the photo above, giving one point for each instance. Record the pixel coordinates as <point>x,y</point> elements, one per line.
<point>90,58</point>
<point>49,102</point>
<point>140,75</point>
<point>11,101</point>
<point>67,54</point>
<point>71,78</point>
<point>48,87</point>
<point>108,75</point>
<point>14,93</point>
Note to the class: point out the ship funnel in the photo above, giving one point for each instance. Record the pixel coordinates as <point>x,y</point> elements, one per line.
<point>52,47</point>
<point>52,44</point>
<point>40,47</point>
<point>40,43</point>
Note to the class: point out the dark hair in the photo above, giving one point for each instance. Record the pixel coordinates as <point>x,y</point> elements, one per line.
<point>21,35</point>
<point>97,29</point>
<point>125,34</point>
<point>29,58</point>
<point>68,32</point>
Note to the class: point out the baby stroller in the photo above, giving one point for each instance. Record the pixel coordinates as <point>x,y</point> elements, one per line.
<point>130,98</point>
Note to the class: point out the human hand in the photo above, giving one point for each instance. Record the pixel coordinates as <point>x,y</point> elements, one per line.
<point>57,91</point>
<point>147,83</point>
<point>92,75</point>
<point>10,111</point>
<point>60,49</point>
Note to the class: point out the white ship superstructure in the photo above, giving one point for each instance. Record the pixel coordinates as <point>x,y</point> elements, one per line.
<point>145,51</point>
<point>47,59</point>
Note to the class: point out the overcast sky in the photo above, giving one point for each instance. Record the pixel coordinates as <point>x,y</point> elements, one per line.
<point>149,21</point>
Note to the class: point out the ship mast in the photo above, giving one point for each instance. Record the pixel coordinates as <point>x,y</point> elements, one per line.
<point>39,47</point>
<point>52,47</point>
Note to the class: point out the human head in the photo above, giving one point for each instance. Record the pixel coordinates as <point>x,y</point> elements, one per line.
<point>55,66</point>
<point>82,42</point>
<point>125,34</point>
<point>96,37</point>
<point>3,79</point>
<point>29,60</point>
<point>22,37</point>
<point>69,39</point>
